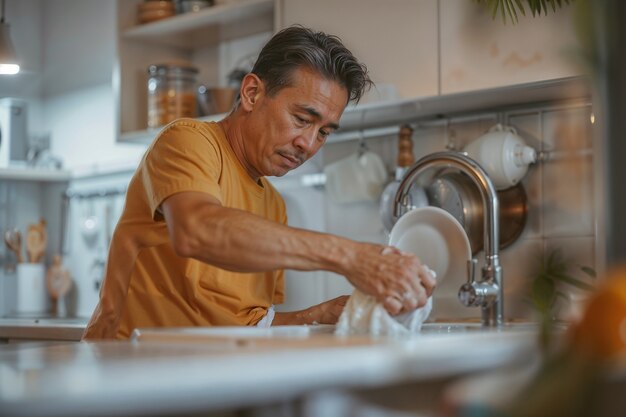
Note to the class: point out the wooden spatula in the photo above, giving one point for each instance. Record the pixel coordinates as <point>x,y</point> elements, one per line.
<point>13,240</point>
<point>36,241</point>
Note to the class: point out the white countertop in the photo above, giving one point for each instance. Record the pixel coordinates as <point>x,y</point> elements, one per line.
<point>203,375</point>
<point>69,329</point>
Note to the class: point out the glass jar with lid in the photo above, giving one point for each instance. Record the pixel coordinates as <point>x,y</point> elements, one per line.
<point>171,93</point>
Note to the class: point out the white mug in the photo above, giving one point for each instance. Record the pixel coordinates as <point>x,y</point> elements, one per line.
<point>356,178</point>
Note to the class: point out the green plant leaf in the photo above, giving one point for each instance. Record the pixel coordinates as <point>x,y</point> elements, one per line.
<point>510,8</point>
<point>543,293</point>
<point>520,7</point>
<point>574,282</point>
<point>562,295</point>
<point>589,271</point>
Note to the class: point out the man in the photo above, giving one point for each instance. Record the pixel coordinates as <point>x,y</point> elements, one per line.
<point>203,238</point>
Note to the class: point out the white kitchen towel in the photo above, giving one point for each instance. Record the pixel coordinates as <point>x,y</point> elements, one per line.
<point>363,315</point>
<point>267,320</point>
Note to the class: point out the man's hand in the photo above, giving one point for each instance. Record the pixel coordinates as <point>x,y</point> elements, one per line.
<point>104,322</point>
<point>396,279</point>
<point>327,312</point>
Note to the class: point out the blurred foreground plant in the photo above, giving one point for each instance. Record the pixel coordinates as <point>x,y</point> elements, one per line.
<point>573,379</point>
<point>544,292</point>
<point>510,8</point>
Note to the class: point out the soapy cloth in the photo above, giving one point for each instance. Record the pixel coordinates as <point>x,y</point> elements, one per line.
<point>363,315</point>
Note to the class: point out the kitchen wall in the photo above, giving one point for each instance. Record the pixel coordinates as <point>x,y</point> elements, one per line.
<point>561,214</point>
<point>429,47</point>
<point>440,47</point>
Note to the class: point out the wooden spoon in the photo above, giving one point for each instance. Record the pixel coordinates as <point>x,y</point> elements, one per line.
<point>58,282</point>
<point>36,241</point>
<point>13,240</point>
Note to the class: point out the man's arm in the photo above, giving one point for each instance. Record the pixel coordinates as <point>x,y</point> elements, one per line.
<point>201,228</point>
<point>327,312</point>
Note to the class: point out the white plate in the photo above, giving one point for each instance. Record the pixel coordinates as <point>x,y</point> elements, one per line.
<point>436,238</point>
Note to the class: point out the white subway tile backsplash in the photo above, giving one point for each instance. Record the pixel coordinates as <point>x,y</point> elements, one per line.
<point>520,265</point>
<point>560,196</point>
<point>568,205</point>
<point>567,129</point>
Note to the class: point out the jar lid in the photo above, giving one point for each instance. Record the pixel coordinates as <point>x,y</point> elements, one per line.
<point>172,68</point>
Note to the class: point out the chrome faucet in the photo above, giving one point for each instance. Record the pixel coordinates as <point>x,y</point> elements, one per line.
<point>486,293</point>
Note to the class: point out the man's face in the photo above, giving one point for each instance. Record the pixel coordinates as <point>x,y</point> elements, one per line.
<point>286,129</point>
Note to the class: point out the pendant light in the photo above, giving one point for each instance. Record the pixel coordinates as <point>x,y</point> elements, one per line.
<point>8,58</point>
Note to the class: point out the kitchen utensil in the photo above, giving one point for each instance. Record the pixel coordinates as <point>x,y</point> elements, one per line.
<point>417,195</point>
<point>187,6</point>
<point>357,178</point>
<point>150,11</point>
<point>417,198</point>
<point>13,240</point>
<point>503,154</point>
<point>108,222</point>
<point>58,283</point>
<point>215,100</point>
<point>90,224</point>
<point>171,92</point>
<point>455,193</point>
<point>437,239</point>
<point>36,241</point>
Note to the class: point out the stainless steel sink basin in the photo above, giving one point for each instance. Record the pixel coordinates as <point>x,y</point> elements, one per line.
<point>460,327</point>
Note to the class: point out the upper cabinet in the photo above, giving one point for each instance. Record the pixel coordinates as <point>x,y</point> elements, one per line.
<point>420,54</point>
<point>214,40</point>
<point>397,40</point>
<point>479,52</point>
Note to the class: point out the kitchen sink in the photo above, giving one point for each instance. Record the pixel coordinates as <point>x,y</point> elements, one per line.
<point>461,327</point>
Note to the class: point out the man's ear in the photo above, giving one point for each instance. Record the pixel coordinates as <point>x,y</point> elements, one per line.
<point>251,89</point>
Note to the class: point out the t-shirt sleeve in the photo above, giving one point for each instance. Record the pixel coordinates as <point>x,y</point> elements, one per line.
<point>183,158</point>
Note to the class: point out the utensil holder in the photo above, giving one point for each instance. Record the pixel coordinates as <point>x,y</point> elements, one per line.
<point>30,287</point>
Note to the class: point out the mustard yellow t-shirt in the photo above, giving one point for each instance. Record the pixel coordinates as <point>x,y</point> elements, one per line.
<point>166,289</point>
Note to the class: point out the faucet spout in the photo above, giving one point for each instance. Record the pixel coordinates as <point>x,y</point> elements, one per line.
<point>488,292</point>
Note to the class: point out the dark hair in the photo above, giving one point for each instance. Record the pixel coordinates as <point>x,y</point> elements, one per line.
<point>297,46</point>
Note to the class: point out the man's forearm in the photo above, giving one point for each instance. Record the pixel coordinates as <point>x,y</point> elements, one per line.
<point>294,318</point>
<point>236,240</point>
<point>199,227</point>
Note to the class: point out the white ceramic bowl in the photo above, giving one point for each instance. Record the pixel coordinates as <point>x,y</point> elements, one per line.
<point>436,238</point>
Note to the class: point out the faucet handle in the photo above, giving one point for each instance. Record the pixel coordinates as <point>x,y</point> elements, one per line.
<point>478,294</point>
<point>471,270</point>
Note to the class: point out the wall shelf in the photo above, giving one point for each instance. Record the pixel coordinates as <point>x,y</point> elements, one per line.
<point>34,174</point>
<point>213,40</point>
<point>198,29</point>
<point>423,109</point>
<point>380,117</point>
<point>147,136</point>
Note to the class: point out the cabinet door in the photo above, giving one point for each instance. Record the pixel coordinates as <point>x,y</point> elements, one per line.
<point>396,39</point>
<point>480,52</point>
